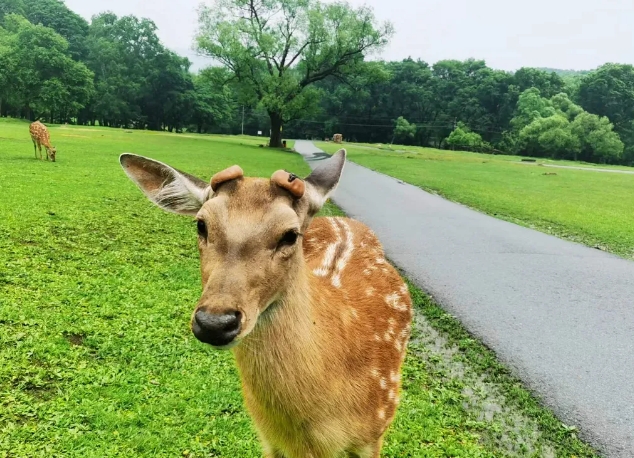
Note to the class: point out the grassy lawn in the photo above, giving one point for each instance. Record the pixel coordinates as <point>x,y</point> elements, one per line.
<point>594,208</point>
<point>96,290</point>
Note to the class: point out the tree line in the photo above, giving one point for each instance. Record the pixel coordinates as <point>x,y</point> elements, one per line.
<point>299,68</point>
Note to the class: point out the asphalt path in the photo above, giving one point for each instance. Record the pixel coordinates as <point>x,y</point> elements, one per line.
<point>560,315</point>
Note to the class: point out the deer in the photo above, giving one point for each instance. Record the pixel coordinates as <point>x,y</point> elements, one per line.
<point>317,319</point>
<point>40,136</point>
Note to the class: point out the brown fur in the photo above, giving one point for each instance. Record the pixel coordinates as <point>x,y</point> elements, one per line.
<point>325,321</point>
<point>40,136</point>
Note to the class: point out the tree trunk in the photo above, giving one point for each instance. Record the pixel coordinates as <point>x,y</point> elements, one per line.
<point>276,130</point>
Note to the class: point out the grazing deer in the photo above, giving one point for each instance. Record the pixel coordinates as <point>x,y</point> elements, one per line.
<point>40,136</point>
<point>317,319</point>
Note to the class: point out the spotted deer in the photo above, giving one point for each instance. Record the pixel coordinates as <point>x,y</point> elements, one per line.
<point>317,319</point>
<point>40,136</point>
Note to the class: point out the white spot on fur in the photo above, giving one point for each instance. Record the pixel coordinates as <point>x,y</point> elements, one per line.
<point>343,261</point>
<point>394,301</point>
<point>380,261</point>
<point>381,413</point>
<point>391,395</point>
<point>404,289</point>
<point>377,337</point>
<point>329,257</point>
<point>395,377</point>
<point>367,272</point>
<point>383,383</point>
<point>369,291</point>
<point>375,373</point>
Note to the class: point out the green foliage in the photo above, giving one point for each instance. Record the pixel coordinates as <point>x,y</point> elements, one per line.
<point>214,103</point>
<point>55,15</point>
<point>298,65</point>
<point>547,83</point>
<point>462,139</point>
<point>609,92</point>
<point>598,140</point>
<point>404,132</point>
<point>11,7</point>
<point>531,106</point>
<point>549,137</point>
<point>276,49</point>
<point>41,75</point>
<point>559,128</point>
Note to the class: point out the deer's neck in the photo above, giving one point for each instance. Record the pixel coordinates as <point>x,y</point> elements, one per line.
<point>288,342</point>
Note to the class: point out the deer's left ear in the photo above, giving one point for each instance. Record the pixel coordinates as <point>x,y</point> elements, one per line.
<point>322,182</point>
<point>170,189</point>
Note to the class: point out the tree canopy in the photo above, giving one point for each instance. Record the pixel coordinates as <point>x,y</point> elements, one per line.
<point>303,65</point>
<point>276,49</point>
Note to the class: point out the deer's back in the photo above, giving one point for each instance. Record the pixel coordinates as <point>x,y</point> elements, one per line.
<point>368,304</point>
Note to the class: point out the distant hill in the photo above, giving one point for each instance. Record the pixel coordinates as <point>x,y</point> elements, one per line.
<point>564,73</point>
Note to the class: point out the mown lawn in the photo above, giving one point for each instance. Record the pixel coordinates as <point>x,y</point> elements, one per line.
<point>96,290</point>
<point>594,208</point>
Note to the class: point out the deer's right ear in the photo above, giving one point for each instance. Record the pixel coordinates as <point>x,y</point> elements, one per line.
<point>324,180</point>
<point>170,189</point>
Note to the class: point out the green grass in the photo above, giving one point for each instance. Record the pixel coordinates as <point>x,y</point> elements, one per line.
<point>594,208</point>
<point>96,290</point>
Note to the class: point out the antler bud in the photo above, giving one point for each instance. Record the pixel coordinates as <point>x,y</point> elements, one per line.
<point>289,181</point>
<point>229,174</point>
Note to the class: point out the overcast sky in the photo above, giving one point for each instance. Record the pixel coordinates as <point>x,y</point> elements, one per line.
<point>566,34</point>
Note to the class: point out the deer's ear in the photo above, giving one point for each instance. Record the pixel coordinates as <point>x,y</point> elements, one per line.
<point>321,183</point>
<point>170,189</point>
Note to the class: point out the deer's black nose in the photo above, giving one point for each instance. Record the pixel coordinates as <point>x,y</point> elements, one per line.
<point>217,329</point>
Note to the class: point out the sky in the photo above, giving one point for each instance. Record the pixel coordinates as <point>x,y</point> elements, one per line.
<point>507,34</point>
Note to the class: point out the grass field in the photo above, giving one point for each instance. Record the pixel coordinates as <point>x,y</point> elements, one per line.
<point>96,290</point>
<point>589,207</point>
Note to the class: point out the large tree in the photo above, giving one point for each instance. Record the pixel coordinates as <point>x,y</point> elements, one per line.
<point>277,49</point>
<point>609,91</point>
<point>44,79</point>
<point>56,15</point>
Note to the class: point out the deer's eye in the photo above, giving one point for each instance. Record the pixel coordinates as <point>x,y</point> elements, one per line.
<point>288,239</point>
<point>202,229</point>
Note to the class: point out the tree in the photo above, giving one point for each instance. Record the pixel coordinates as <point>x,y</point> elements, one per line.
<point>598,140</point>
<point>548,84</point>
<point>550,137</point>
<point>531,106</point>
<point>47,80</point>
<point>55,15</point>
<point>276,49</point>
<point>11,7</point>
<point>609,91</point>
<point>564,105</point>
<point>214,103</point>
<point>404,131</point>
<point>128,58</point>
<point>462,138</point>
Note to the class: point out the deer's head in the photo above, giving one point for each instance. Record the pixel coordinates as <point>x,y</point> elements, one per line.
<point>52,151</point>
<point>249,235</point>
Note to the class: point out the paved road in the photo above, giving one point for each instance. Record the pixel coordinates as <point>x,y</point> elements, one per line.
<point>561,315</point>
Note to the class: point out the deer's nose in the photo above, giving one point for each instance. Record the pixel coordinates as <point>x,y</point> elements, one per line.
<point>217,329</point>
